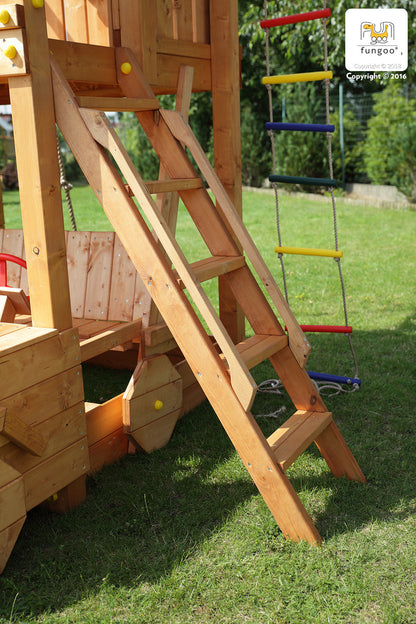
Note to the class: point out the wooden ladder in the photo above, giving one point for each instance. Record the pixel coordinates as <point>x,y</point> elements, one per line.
<point>222,369</point>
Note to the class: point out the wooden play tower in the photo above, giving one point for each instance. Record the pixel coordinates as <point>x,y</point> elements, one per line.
<point>128,293</point>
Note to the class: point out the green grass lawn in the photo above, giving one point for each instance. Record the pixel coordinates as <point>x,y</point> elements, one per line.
<point>182,535</point>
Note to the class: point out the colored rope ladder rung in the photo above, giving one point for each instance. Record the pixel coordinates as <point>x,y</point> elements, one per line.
<point>303,77</point>
<point>295,19</point>
<point>327,329</point>
<point>300,180</point>
<point>350,381</point>
<point>307,251</point>
<point>301,127</point>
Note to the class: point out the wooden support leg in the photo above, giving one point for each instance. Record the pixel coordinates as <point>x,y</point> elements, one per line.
<point>69,497</point>
<point>337,455</point>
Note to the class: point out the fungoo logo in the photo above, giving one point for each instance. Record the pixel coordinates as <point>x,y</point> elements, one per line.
<point>376,39</point>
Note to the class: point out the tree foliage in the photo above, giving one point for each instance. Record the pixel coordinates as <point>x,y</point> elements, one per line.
<point>390,149</point>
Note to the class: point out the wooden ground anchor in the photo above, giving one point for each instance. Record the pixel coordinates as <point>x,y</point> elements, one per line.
<point>152,403</point>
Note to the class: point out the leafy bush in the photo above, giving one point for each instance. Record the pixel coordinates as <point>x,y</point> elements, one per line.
<point>390,149</point>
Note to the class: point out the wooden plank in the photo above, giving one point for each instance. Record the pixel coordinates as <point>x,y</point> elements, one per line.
<point>40,402</point>
<point>214,266</point>
<point>76,21</point>
<point>18,299</point>
<point>38,362</point>
<point>76,60</point>
<point>138,26</point>
<point>99,275</point>
<point>13,244</point>
<point>117,104</point>
<point>99,21</point>
<point>258,348</point>
<point>141,301</point>
<point>12,498</point>
<point>15,14</point>
<point>240,375</point>
<point>55,473</point>
<point>7,310</point>
<point>166,186</point>
<point>182,20</point>
<point>60,430</point>
<point>123,282</point>
<point>7,473</point>
<point>55,19</point>
<point>337,455</point>
<point>200,21</point>
<point>88,328</point>
<point>164,19</point>
<point>78,251</point>
<point>8,538</point>
<point>70,497</point>
<point>108,340</point>
<point>104,420</point>
<point>171,47</point>
<point>21,434</point>
<point>167,73</point>
<point>8,328</point>
<point>108,450</point>
<point>15,62</point>
<point>27,336</point>
<point>40,195</point>
<point>225,74</point>
<point>296,435</point>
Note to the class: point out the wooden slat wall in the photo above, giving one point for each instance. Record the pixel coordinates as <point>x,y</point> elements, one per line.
<point>103,282</point>
<point>84,21</point>
<point>96,21</point>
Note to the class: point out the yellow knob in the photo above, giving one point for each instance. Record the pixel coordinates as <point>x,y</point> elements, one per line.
<point>10,52</point>
<point>158,405</point>
<point>38,4</point>
<point>126,68</point>
<point>4,16</point>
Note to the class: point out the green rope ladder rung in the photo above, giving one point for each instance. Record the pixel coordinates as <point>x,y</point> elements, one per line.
<point>299,180</point>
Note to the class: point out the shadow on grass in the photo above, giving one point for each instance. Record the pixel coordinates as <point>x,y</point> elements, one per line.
<point>146,513</point>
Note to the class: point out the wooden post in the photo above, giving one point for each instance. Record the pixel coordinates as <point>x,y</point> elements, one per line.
<point>31,99</point>
<point>225,76</point>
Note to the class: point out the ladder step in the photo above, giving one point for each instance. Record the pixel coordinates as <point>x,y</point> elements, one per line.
<point>341,379</point>
<point>284,179</point>
<point>305,251</point>
<point>214,266</point>
<point>258,348</point>
<point>117,104</point>
<point>295,19</point>
<point>296,434</point>
<point>303,77</point>
<point>326,329</point>
<point>178,184</point>
<point>302,127</point>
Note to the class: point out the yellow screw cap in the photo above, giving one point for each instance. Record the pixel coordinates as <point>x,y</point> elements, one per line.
<point>126,68</point>
<point>4,16</point>
<point>38,4</point>
<point>10,52</point>
<point>158,405</point>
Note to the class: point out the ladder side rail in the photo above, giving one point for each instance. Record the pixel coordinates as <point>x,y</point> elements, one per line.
<point>125,222</point>
<point>297,340</point>
<point>198,202</point>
